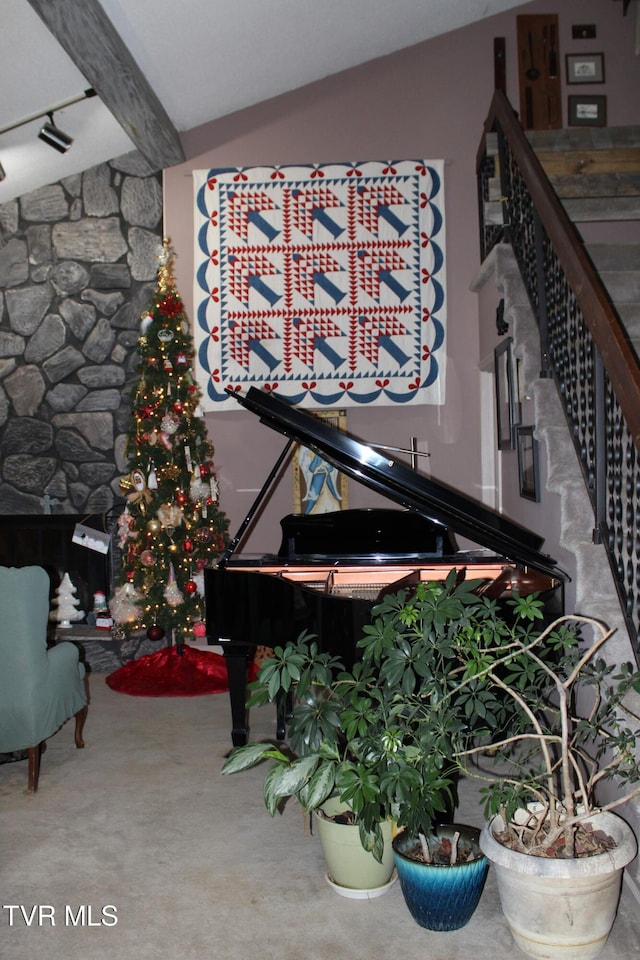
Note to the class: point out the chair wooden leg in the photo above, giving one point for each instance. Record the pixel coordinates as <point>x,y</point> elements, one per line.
<point>81,716</point>
<point>34,767</point>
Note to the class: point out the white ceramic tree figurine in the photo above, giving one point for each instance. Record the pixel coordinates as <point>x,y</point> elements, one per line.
<point>65,604</point>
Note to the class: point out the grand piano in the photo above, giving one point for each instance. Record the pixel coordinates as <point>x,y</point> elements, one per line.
<point>331,568</point>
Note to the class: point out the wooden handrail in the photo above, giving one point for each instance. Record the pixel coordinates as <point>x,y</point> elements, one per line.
<point>609,336</point>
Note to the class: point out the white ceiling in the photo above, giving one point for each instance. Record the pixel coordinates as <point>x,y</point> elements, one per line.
<point>202,58</point>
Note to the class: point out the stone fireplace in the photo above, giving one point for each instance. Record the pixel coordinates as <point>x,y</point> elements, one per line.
<point>78,262</point>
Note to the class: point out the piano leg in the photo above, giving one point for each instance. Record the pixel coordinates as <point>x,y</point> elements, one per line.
<point>237,674</point>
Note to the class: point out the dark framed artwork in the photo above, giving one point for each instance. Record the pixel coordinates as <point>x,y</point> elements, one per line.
<point>507,402</point>
<point>587,111</point>
<point>585,67</point>
<point>528,471</point>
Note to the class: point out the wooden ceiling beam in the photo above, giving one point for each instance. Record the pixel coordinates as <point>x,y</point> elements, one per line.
<point>87,35</point>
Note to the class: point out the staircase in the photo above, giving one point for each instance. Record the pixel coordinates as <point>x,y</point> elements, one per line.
<point>596,176</point>
<point>595,171</point>
<point>595,590</point>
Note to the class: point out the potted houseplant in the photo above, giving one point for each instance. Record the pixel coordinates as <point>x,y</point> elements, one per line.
<point>558,854</point>
<point>319,766</point>
<point>378,737</point>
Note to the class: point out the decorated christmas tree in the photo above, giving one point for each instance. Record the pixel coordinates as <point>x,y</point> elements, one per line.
<point>171,527</point>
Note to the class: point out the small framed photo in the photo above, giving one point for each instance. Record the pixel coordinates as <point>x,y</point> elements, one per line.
<point>587,111</point>
<point>528,471</point>
<point>585,67</point>
<point>507,403</point>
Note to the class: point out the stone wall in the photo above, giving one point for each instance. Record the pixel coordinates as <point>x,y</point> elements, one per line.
<point>78,262</point>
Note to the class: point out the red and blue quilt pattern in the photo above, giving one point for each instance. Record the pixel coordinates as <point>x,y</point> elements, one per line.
<point>323,282</point>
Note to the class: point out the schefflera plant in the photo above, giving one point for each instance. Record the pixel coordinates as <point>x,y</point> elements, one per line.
<point>382,736</point>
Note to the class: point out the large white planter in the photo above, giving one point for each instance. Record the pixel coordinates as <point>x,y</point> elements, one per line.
<point>351,870</point>
<point>561,909</point>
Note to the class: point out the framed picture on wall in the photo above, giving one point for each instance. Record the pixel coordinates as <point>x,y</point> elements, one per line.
<point>507,402</point>
<point>587,111</point>
<point>318,486</point>
<point>585,67</point>
<point>528,463</point>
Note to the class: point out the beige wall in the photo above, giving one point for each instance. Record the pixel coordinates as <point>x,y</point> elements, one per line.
<point>429,101</point>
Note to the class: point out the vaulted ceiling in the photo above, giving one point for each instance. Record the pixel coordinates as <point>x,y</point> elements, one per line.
<point>160,68</point>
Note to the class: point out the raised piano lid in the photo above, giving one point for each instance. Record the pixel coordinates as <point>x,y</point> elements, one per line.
<point>401,484</point>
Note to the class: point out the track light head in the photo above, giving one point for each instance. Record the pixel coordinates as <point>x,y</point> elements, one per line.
<point>54,137</point>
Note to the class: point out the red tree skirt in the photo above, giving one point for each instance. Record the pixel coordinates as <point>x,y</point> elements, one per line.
<point>169,674</point>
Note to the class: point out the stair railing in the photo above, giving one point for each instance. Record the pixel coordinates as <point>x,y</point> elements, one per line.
<point>584,346</point>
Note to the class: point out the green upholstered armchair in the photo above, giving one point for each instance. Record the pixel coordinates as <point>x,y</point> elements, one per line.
<point>40,689</point>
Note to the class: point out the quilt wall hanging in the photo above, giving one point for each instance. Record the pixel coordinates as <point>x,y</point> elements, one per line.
<point>325,282</point>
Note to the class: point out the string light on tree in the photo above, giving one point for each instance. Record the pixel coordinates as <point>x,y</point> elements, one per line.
<point>172,526</point>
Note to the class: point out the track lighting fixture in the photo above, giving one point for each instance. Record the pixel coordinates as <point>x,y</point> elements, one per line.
<point>54,137</point>
<point>49,133</point>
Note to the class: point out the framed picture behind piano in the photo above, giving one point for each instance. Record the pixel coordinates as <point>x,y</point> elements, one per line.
<point>318,487</point>
<point>507,401</point>
<point>528,463</point>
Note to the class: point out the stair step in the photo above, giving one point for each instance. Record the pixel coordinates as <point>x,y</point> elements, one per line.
<point>576,139</point>
<point>615,256</point>
<point>595,171</point>
<point>584,138</point>
<point>629,313</point>
<point>623,285</point>
<point>596,209</point>
<point>589,210</point>
<point>569,186</point>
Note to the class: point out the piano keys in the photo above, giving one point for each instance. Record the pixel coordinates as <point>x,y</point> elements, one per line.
<point>331,569</point>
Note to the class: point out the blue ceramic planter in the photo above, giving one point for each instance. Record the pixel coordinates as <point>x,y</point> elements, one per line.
<point>440,896</point>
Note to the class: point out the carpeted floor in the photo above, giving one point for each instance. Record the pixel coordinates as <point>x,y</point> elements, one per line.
<point>141,829</point>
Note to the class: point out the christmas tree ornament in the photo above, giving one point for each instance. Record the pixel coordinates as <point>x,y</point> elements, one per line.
<point>181,498</point>
<point>155,633</point>
<point>190,587</point>
<point>126,483</point>
<point>165,335</point>
<point>147,558</point>
<point>199,489</point>
<point>199,629</point>
<point>154,526</point>
<point>188,546</point>
<point>170,516</point>
<point>199,582</point>
<point>173,595</point>
<point>169,423</point>
<point>125,524</point>
<point>125,602</point>
<point>152,477</point>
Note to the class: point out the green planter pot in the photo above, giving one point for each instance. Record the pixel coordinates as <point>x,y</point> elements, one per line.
<point>351,870</point>
<point>440,896</point>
